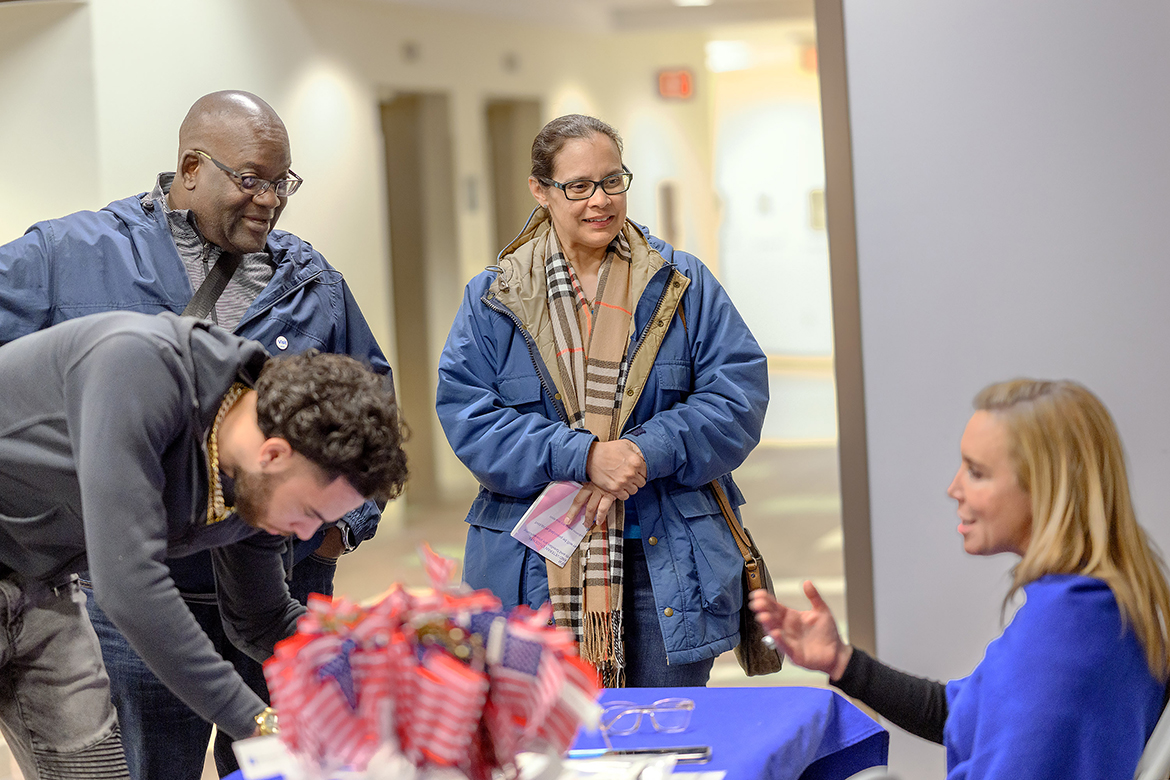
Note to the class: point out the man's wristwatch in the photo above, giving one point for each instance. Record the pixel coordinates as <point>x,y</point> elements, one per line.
<point>266,722</point>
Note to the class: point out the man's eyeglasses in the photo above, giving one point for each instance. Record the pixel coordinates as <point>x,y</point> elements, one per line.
<point>621,718</point>
<point>583,189</point>
<point>253,185</point>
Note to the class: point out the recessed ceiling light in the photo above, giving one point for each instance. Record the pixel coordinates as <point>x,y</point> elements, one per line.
<point>726,56</point>
<point>687,3</point>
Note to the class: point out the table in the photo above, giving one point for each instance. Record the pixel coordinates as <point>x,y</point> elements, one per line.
<point>773,733</point>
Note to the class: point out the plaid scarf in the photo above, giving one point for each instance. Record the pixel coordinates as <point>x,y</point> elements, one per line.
<point>591,340</point>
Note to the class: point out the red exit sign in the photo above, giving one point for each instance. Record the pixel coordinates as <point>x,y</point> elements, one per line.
<point>676,84</point>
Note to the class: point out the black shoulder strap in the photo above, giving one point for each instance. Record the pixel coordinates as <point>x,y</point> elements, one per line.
<point>212,287</point>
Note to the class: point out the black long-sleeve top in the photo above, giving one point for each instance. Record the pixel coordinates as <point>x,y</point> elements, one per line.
<point>916,704</point>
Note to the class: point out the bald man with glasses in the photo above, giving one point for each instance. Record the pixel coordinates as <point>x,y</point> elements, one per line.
<point>203,243</point>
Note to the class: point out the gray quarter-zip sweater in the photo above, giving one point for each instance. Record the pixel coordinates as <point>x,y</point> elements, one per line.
<point>103,469</point>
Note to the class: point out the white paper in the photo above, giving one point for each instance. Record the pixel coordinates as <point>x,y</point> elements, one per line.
<point>543,529</point>
<point>261,758</point>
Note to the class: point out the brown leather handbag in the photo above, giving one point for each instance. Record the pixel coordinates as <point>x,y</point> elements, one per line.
<point>753,655</point>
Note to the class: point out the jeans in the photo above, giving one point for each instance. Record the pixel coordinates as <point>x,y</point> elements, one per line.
<point>54,693</point>
<point>646,665</point>
<point>163,738</point>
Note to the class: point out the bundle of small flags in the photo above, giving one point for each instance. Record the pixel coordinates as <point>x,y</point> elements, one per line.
<point>442,677</point>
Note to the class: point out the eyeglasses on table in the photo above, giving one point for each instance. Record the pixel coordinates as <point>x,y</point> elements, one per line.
<point>622,718</point>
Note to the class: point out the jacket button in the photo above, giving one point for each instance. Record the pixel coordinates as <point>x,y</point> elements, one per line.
<point>557,396</point>
<point>675,284</point>
<point>653,540</point>
<point>668,612</point>
<point>630,391</point>
<point>661,323</point>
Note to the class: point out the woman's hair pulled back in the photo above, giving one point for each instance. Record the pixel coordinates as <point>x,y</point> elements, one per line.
<point>553,137</point>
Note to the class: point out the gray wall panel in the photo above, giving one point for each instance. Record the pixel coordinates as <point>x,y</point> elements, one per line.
<point>1012,186</point>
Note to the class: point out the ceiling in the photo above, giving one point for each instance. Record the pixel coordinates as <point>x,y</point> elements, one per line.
<point>612,14</point>
<point>626,14</point>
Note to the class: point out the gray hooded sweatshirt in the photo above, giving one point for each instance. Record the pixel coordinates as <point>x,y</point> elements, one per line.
<point>103,469</point>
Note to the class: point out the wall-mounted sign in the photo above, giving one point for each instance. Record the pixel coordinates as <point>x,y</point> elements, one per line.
<point>808,59</point>
<point>676,84</point>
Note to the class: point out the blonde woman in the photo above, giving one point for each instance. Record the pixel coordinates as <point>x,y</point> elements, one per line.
<point>1074,685</point>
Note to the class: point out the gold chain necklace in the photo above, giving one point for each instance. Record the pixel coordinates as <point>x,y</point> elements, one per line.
<point>216,510</point>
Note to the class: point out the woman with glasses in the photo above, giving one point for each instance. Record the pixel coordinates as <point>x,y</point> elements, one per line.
<point>1074,685</point>
<point>596,353</point>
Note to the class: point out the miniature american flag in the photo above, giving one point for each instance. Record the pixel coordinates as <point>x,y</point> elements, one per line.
<point>442,677</point>
<point>449,699</point>
<point>441,571</point>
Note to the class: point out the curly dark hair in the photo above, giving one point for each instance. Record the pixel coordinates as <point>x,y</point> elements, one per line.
<point>340,415</point>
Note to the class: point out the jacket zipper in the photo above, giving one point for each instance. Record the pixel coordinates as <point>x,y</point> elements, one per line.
<point>642,338</point>
<point>653,317</point>
<point>537,363</point>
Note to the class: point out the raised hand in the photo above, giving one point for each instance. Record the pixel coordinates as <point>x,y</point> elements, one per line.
<point>809,638</point>
<point>617,467</point>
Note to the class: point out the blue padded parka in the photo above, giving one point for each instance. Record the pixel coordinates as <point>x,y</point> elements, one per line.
<point>694,405</point>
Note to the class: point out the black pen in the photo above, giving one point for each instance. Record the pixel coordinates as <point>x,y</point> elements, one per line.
<point>692,754</point>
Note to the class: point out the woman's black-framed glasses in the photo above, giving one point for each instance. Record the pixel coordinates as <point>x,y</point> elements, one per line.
<point>621,718</point>
<point>253,185</point>
<point>583,189</point>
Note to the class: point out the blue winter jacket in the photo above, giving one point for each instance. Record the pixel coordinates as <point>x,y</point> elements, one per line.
<point>694,404</point>
<point>123,258</point>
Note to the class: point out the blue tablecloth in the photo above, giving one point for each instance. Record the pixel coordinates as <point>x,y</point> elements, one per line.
<point>778,733</point>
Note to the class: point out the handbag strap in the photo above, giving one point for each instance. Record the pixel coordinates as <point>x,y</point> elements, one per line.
<point>743,540</point>
<point>212,287</point>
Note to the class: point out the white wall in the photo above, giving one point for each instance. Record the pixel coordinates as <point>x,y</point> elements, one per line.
<point>1012,185</point>
<point>774,262</point>
<point>48,147</point>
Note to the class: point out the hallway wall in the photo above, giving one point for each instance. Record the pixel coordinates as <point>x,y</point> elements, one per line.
<point>48,122</point>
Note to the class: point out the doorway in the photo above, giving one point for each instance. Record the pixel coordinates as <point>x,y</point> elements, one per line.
<point>511,126</point>
<point>423,263</point>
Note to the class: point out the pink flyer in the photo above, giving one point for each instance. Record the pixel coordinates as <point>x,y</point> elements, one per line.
<point>543,528</point>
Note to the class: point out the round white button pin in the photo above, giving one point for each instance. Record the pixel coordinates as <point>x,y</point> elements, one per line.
<point>281,342</point>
